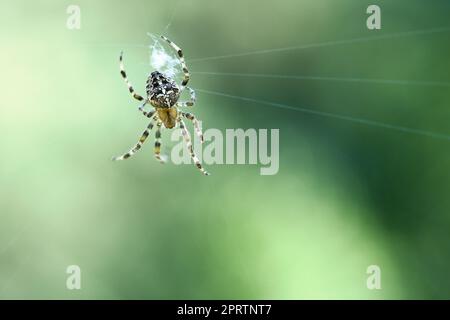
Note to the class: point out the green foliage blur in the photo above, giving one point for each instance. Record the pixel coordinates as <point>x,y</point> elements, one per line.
<point>348,194</point>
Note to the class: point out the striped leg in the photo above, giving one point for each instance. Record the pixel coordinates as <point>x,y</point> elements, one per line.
<point>124,76</point>
<point>188,103</point>
<point>183,63</point>
<point>138,145</point>
<point>157,149</point>
<point>197,128</point>
<point>187,139</point>
<point>148,114</point>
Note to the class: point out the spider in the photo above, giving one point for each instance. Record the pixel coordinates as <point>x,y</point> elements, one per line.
<point>163,94</point>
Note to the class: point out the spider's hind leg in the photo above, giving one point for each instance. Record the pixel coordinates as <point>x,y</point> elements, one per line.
<point>124,76</point>
<point>189,103</point>
<point>187,139</point>
<point>183,63</point>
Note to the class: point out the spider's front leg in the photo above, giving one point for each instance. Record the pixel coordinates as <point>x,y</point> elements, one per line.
<point>138,145</point>
<point>196,124</point>
<point>124,76</point>
<point>157,150</point>
<point>187,139</point>
<point>189,103</point>
<point>148,114</point>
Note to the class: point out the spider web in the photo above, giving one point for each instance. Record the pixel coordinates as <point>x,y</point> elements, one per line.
<point>339,116</point>
<point>162,58</point>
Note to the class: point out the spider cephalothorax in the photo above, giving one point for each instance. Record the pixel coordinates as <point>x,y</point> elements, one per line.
<point>163,94</point>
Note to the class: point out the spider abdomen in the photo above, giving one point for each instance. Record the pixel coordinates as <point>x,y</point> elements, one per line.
<point>162,91</point>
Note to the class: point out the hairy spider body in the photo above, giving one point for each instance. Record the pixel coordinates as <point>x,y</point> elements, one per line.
<point>163,94</point>
<point>162,91</point>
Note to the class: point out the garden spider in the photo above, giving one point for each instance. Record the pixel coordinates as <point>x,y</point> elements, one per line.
<point>163,94</point>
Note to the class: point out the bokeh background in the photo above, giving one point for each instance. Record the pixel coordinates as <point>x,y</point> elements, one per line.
<point>348,194</point>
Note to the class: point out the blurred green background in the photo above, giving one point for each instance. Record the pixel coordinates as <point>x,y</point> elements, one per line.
<point>347,195</point>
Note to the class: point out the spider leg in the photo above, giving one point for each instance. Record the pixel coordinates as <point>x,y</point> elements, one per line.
<point>188,103</point>
<point>138,145</point>
<point>157,149</point>
<point>183,63</point>
<point>197,128</point>
<point>148,114</point>
<point>124,76</point>
<point>187,139</point>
